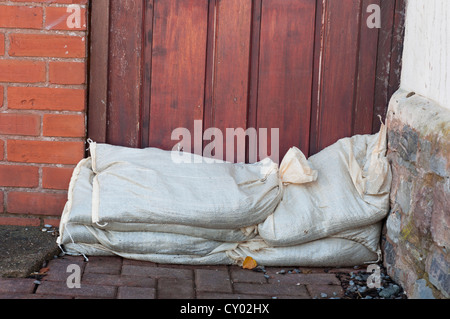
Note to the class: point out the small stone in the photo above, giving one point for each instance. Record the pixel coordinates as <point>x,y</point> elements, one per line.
<point>48,226</point>
<point>368,297</point>
<point>389,291</point>
<point>298,271</point>
<point>44,230</point>
<point>323,295</point>
<point>362,289</point>
<point>281,272</point>
<point>266,276</point>
<point>358,278</point>
<point>351,283</point>
<point>37,282</point>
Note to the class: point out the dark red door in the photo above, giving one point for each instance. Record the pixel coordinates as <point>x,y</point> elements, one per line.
<point>312,68</point>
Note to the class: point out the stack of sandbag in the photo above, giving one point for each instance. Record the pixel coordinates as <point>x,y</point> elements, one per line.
<point>141,204</point>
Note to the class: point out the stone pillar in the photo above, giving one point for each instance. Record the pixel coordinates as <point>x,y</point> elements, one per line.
<point>416,239</point>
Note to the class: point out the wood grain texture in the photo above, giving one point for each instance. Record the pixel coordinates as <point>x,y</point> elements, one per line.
<point>178,68</point>
<point>125,73</point>
<point>310,68</point>
<point>285,71</point>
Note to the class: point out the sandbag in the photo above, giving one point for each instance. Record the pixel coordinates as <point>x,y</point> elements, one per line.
<point>78,210</point>
<point>345,249</point>
<point>351,191</point>
<point>140,204</point>
<point>148,187</point>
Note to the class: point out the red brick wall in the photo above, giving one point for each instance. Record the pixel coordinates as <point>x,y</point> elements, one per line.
<point>42,106</point>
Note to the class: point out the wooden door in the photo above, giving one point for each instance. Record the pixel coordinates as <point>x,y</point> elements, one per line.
<point>312,68</point>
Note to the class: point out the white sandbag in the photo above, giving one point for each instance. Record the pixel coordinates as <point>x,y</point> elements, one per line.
<point>326,252</point>
<point>349,248</point>
<point>351,191</point>
<point>345,249</point>
<point>215,258</point>
<point>140,204</point>
<point>148,187</point>
<point>78,210</point>
<point>139,242</point>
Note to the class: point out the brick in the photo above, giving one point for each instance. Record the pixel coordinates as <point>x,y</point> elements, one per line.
<point>20,124</point>
<point>16,285</point>
<point>56,177</point>
<point>156,272</point>
<point>18,221</point>
<point>45,45</point>
<point>22,71</point>
<point>22,17</point>
<point>67,72</point>
<point>169,288</point>
<point>104,265</point>
<point>2,149</point>
<point>63,125</point>
<point>212,280</point>
<point>136,293</point>
<point>2,44</point>
<point>19,176</point>
<point>272,290</point>
<point>58,267</point>
<point>35,203</point>
<point>86,290</point>
<point>330,290</point>
<point>292,279</point>
<point>219,295</point>
<point>45,152</point>
<point>62,18</point>
<point>118,280</point>
<point>37,98</point>
<point>242,275</point>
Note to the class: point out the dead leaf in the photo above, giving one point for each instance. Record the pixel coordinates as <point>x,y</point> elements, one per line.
<point>249,263</point>
<point>307,271</point>
<point>44,270</point>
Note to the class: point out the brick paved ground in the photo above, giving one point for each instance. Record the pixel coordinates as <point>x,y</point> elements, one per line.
<point>117,278</point>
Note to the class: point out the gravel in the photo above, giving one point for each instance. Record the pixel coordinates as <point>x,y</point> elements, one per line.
<point>355,286</point>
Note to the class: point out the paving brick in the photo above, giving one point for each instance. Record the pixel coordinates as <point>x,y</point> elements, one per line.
<point>315,278</point>
<point>118,280</point>
<point>330,290</point>
<point>157,272</point>
<point>212,280</point>
<point>135,293</point>
<point>138,263</point>
<point>86,290</point>
<point>272,290</point>
<point>243,275</point>
<point>218,295</point>
<point>58,268</point>
<point>169,288</point>
<point>104,265</point>
<point>16,286</point>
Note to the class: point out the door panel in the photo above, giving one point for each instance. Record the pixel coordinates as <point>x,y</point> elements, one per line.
<point>178,68</point>
<point>311,68</point>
